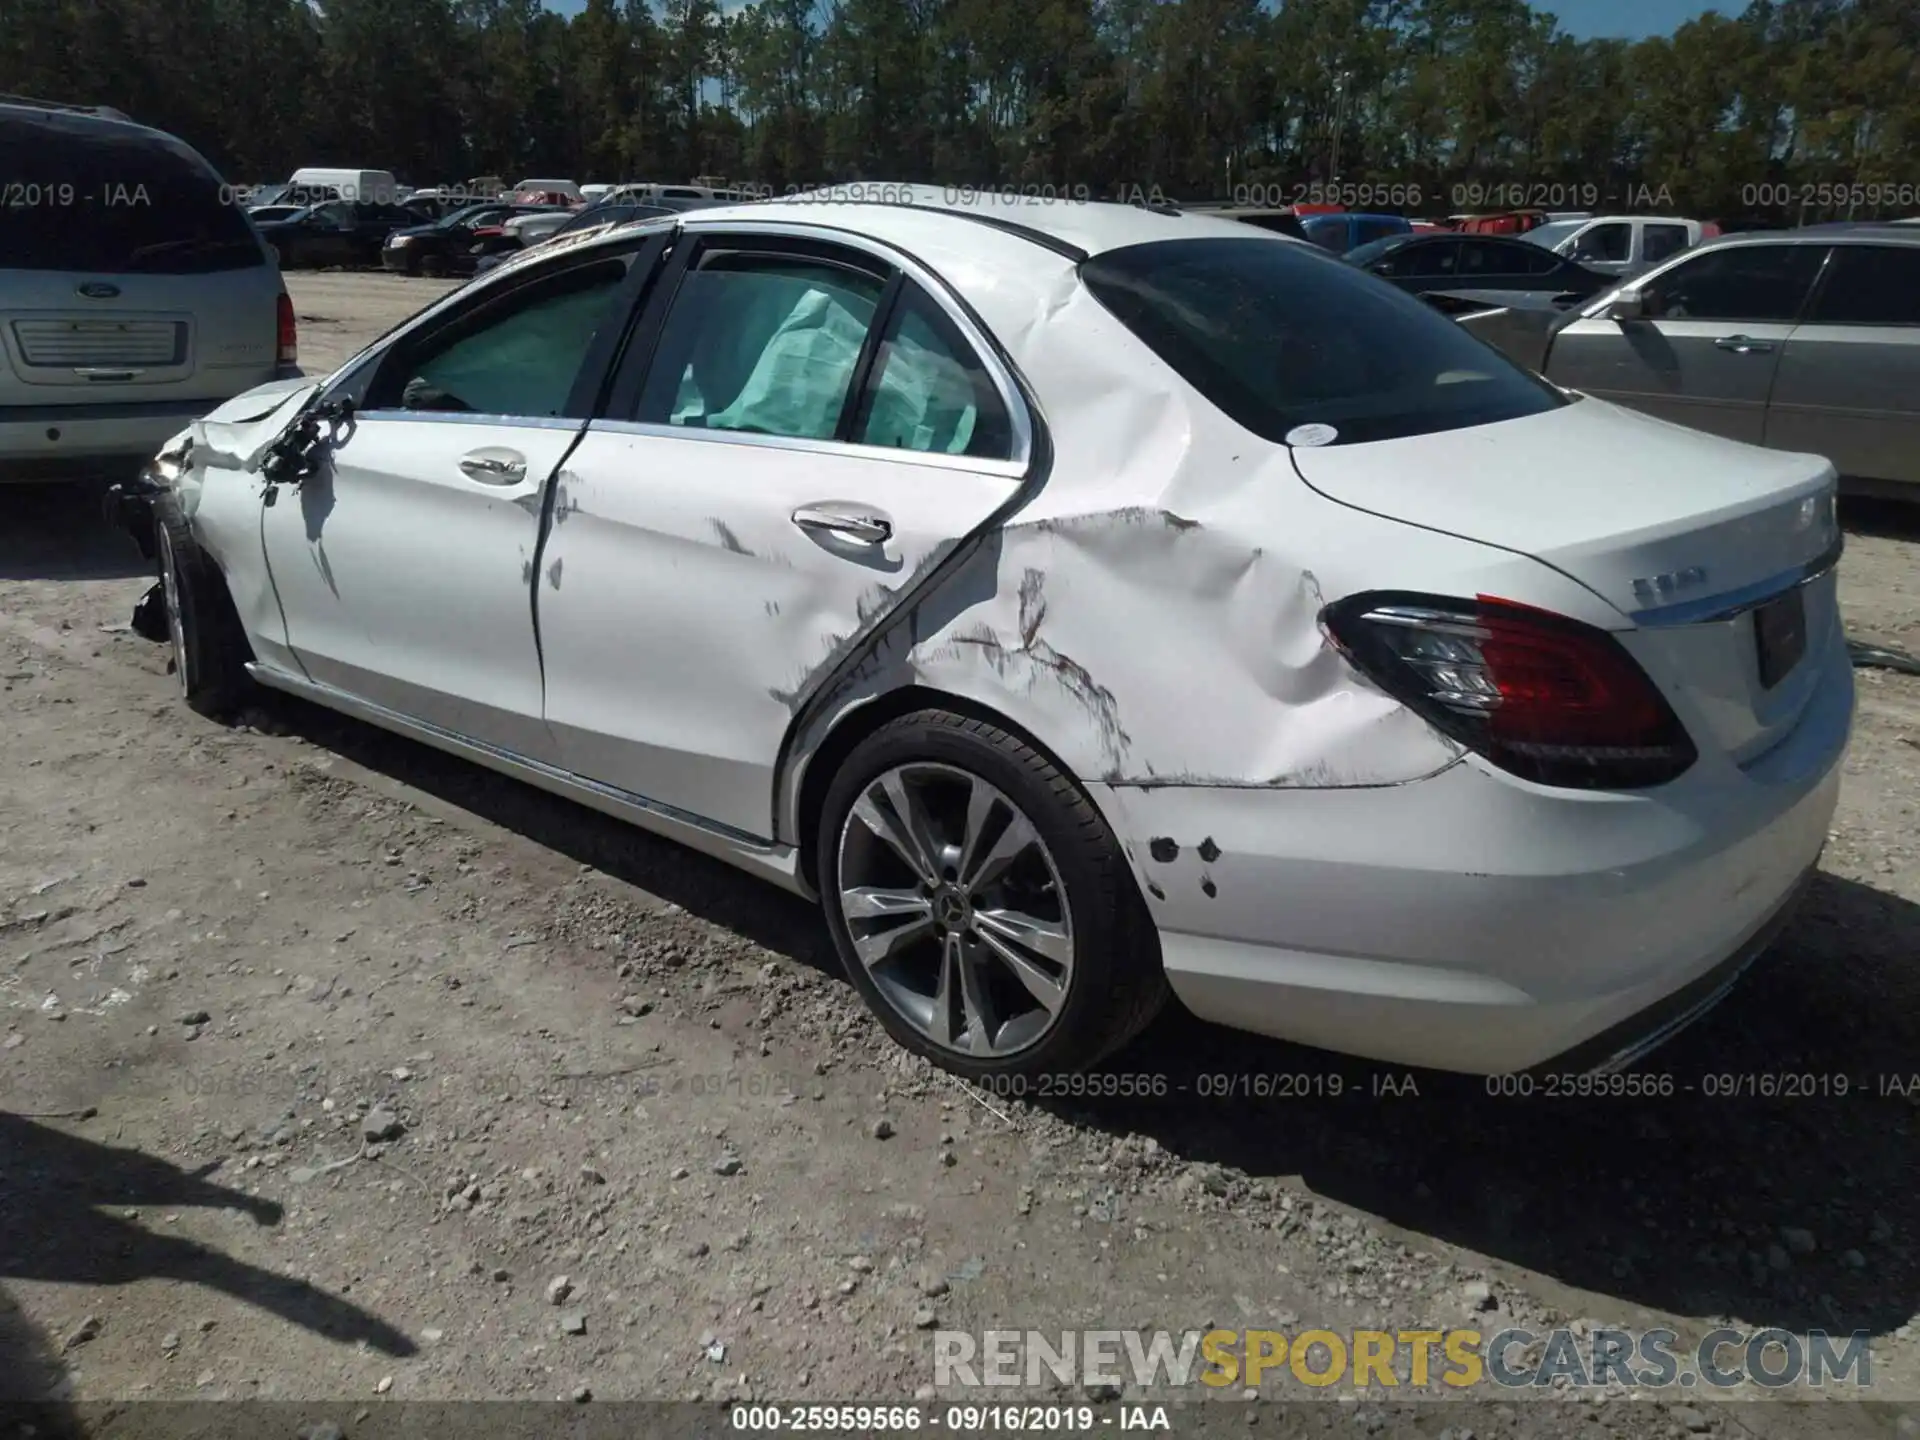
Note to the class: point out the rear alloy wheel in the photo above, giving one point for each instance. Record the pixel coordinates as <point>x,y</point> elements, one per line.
<point>980,904</point>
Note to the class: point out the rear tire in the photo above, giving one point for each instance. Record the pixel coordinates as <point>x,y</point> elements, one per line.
<point>997,949</point>
<point>210,650</point>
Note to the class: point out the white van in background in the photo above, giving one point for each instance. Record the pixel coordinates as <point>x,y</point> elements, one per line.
<point>315,183</point>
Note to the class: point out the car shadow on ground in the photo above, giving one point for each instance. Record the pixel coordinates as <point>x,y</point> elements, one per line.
<point>55,531</point>
<point>57,1225</point>
<point>1691,1202</point>
<point>1878,515</point>
<point>31,1370</point>
<point>1674,1202</point>
<point>704,887</point>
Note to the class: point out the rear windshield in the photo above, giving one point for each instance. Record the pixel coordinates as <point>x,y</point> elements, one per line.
<point>112,199</point>
<point>1280,336</point>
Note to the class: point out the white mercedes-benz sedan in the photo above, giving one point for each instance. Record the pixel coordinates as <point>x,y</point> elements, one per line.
<point>1087,602</point>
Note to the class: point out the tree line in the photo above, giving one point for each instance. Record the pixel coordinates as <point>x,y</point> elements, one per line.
<point>1795,109</point>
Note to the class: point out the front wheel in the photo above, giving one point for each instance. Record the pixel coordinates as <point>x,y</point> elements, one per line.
<point>980,904</point>
<point>210,650</point>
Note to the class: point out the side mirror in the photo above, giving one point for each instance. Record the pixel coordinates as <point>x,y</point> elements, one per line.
<point>1627,304</point>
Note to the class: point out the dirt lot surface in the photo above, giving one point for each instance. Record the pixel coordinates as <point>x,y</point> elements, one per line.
<point>324,1057</point>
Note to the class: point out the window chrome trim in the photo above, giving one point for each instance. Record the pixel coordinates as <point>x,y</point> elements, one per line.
<point>1734,603</point>
<point>468,417</point>
<point>1019,418</point>
<point>931,459</point>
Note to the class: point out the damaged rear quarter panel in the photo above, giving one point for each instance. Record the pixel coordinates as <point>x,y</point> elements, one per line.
<point>1151,613</point>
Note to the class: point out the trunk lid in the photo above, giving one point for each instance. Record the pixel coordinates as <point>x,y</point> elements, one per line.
<point>1686,534</point>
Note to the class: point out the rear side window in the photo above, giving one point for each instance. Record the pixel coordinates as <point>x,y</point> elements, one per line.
<point>1421,262</point>
<point>1870,285</point>
<point>930,392</point>
<point>1502,257</point>
<point>1277,336</point>
<point>1604,242</point>
<point>1661,241</point>
<point>1328,232</point>
<point>82,195</point>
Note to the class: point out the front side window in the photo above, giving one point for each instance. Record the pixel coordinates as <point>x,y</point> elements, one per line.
<point>1277,336</point>
<point>930,392</point>
<point>1610,242</point>
<point>761,342</point>
<point>1744,282</point>
<point>518,356</point>
<point>1499,257</point>
<point>1870,285</point>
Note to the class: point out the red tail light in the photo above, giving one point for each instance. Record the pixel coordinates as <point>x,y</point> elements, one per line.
<point>1546,698</point>
<point>289,335</point>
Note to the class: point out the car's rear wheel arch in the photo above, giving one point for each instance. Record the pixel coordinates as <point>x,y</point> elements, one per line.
<point>1092,960</point>
<point>856,725</point>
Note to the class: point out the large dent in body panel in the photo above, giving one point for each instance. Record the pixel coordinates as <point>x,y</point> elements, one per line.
<point>1145,616</point>
<point>1173,653</point>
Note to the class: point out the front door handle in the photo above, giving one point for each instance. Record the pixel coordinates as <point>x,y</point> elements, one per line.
<point>494,465</point>
<point>847,518</point>
<point>1744,345</point>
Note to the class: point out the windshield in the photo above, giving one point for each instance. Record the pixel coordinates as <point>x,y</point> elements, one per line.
<point>113,199</point>
<point>1279,336</point>
<point>1552,233</point>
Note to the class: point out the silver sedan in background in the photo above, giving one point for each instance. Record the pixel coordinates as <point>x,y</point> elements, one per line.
<point>1805,340</point>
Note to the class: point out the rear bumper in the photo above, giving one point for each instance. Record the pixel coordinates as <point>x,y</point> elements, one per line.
<point>1475,923</point>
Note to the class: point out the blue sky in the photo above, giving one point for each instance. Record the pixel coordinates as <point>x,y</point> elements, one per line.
<point>1629,19</point>
<point>1584,19</point>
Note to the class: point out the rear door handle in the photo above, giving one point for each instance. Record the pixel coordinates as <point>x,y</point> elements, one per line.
<point>494,465</point>
<point>1744,345</point>
<point>847,518</point>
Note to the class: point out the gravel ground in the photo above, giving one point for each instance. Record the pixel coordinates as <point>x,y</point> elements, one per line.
<point>328,1063</point>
